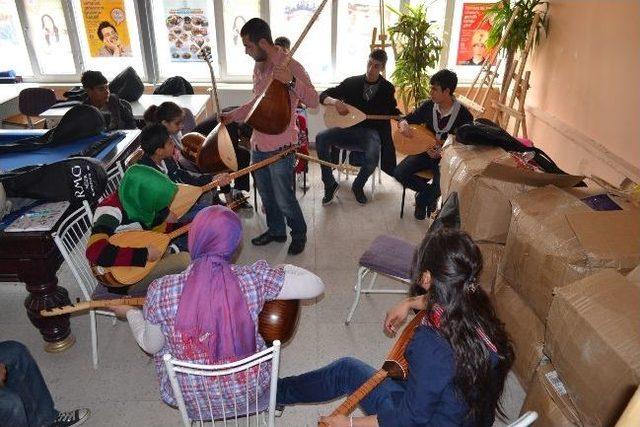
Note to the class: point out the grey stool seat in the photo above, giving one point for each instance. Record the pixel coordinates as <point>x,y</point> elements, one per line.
<point>386,255</point>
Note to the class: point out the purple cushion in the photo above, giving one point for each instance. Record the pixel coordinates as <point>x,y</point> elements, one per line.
<point>389,255</point>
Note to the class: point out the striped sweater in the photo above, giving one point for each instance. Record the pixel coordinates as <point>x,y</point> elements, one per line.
<point>108,219</point>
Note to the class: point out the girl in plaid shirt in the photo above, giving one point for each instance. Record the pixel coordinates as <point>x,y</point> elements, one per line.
<point>208,314</point>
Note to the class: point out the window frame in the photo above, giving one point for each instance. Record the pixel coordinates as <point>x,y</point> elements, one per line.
<point>144,19</point>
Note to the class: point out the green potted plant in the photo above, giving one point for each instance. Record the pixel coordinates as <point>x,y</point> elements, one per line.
<point>499,15</point>
<point>417,50</point>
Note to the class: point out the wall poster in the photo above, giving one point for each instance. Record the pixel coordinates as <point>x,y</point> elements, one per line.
<point>474,31</point>
<point>106,24</point>
<point>188,28</point>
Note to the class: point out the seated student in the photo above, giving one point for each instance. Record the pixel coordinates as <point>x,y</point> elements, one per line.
<point>458,357</point>
<point>25,399</point>
<point>171,115</point>
<point>208,314</point>
<point>442,114</point>
<point>372,94</point>
<point>158,147</point>
<point>284,43</point>
<point>117,112</point>
<point>141,202</point>
<point>239,133</point>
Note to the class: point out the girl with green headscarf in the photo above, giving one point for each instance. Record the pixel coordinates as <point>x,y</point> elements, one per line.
<point>142,201</point>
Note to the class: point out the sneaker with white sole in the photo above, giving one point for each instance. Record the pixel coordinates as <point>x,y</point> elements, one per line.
<point>71,418</point>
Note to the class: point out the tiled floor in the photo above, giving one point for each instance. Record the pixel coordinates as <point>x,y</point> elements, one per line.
<point>124,392</point>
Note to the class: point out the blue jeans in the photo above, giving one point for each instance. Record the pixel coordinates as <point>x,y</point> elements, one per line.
<point>275,185</point>
<point>339,378</point>
<point>182,242</point>
<point>354,138</point>
<point>426,193</point>
<point>24,399</point>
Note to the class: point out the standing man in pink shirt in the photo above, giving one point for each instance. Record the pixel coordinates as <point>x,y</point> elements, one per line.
<point>275,182</point>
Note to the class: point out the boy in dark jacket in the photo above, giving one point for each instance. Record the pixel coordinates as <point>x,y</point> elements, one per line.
<point>117,112</point>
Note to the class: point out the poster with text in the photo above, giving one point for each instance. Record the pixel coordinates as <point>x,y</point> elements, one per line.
<point>187,27</point>
<point>106,25</point>
<point>474,31</point>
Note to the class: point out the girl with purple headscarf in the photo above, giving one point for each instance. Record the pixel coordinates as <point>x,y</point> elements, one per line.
<point>209,313</point>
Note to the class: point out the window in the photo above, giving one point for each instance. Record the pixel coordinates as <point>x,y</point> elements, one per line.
<point>181,29</point>
<point>50,37</point>
<point>12,45</point>
<point>63,36</point>
<point>117,45</point>
<point>236,14</point>
<point>356,20</point>
<point>289,18</point>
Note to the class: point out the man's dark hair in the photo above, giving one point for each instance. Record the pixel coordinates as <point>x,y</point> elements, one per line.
<point>446,79</point>
<point>91,79</point>
<point>379,55</point>
<point>256,29</point>
<point>153,137</point>
<point>102,26</point>
<point>283,41</point>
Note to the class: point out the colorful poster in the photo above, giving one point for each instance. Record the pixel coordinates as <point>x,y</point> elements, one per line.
<point>188,28</point>
<point>474,31</point>
<point>106,25</point>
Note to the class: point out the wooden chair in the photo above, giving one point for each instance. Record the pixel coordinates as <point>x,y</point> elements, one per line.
<point>208,380</point>
<point>426,174</point>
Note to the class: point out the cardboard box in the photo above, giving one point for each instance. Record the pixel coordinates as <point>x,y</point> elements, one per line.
<point>556,239</point>
<point>593,339</point>
<point>524,328</point>
<point>491,256</point>
<point>548,396</point>
<point>486,178</point>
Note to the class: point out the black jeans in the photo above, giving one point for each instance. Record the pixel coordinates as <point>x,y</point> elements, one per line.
<point>426,193</point>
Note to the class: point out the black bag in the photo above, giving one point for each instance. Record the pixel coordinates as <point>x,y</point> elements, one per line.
<point>485,132</point>
<point>79,122</point>
<point>76,179</point>
<point>76,93</point>
<point>127,85</point>
<point>174,86</point>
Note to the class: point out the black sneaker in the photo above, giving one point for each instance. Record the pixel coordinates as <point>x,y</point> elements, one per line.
<point>266,238</point>
<point>359,193</point>
<point>71,418</point>
<point>297,245</point>
<point>330,193</point>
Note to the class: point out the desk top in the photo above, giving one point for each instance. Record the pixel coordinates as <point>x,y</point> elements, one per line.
<point>195,103</point>
<point>47,155</point>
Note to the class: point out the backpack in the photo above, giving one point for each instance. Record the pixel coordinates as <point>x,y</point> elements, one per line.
<point>127,85</point>
<point>75,179</point>
<point>174,86</point>
<point>485,132</point>
<point>79,122</point>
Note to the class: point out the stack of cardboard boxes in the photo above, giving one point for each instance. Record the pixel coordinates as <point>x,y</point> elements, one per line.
<point>573,317</point>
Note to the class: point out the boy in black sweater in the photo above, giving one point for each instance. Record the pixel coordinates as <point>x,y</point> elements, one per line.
<point>372,94</point>
<point>442,114</point>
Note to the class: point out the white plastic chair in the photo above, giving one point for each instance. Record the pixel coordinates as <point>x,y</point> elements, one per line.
<point>345,161</point>
<point>114,176</point>
<point>71,239</point>
<point>525,420</point>
<point>239,368</point>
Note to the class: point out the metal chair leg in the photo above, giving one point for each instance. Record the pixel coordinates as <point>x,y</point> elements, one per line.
<point>404,192</point>
<point>373,281</point>
<point>362,271</point>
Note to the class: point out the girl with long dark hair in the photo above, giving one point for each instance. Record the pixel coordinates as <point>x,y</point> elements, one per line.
<point>458,357</point>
